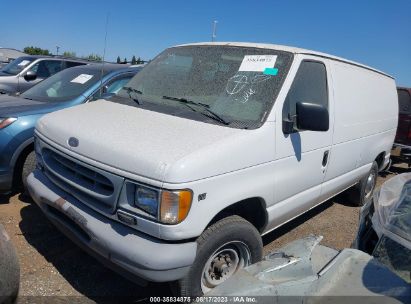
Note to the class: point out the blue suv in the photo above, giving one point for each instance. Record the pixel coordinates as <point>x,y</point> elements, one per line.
<point>18,115</point>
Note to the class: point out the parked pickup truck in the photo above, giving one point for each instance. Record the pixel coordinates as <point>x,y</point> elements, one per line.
<point>209,147</point>
<point>401,152</point>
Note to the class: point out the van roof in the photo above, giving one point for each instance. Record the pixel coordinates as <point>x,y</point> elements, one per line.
<point>290,49</point>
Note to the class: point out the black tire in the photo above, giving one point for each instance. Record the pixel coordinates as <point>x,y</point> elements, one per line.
<point>223,236</point>
<point>361,192</point>
<point>29,164</point>
<point>9,269</point>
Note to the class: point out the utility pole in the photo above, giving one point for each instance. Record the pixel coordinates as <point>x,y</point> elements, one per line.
<point>57,49</point>
<point>214,35</point>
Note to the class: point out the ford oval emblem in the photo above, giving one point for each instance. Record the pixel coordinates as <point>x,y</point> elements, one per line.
<point>73,142</point>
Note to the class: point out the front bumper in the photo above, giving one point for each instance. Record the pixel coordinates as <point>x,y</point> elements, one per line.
<point>125,250</point>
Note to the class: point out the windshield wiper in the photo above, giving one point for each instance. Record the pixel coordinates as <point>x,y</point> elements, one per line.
<point>204,106</point>
<point>130,90</point>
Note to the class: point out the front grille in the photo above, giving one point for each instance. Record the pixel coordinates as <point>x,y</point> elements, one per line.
<point>92,186</point>
<point>79,174</point>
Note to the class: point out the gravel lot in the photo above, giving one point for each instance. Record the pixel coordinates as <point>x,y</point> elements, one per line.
<point>51,265</point>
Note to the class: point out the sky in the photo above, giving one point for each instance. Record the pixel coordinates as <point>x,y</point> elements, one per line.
<point>376,33</point>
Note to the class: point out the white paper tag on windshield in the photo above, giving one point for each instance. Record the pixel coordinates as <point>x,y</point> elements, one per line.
<point>24,62</point>
<point>82,78</point>
<point>257,63</point>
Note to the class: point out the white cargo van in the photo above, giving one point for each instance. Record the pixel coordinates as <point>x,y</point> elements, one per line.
<point>209,147</point>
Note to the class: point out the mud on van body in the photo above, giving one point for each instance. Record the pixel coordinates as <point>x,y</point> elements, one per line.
<point>211,146</point>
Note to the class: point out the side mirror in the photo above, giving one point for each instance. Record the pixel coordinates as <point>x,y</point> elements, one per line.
<point>30,75</point>
<point>312,117</point>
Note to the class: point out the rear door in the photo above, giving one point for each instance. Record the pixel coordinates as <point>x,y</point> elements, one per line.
<point>404,119</point>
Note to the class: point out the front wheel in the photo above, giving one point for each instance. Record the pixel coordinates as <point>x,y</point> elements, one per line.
<point>29,165</point>
<point>222,249</point>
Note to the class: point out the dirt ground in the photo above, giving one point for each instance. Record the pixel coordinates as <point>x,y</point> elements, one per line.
<point>51,265</point>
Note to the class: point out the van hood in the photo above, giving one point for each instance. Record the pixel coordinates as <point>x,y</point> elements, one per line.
<point>151,144</point>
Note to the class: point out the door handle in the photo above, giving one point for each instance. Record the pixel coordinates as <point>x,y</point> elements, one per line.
<point>325,158</point>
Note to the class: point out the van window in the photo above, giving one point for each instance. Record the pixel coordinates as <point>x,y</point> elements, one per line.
<point>310,85</point>
<point>404,102</point>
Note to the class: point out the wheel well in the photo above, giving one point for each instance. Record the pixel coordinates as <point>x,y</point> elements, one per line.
<point>18,166</point>
<point>251,209</point>
<point>380,160</point>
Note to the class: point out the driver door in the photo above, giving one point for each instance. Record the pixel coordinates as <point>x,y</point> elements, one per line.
<point>302,156</point>
<point>43,69</point>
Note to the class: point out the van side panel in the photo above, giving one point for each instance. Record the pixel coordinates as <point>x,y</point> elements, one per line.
<point>366,102</point>
<point>366,111</point>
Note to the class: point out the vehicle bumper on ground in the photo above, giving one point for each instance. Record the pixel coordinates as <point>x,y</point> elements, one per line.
<point>125,250</point>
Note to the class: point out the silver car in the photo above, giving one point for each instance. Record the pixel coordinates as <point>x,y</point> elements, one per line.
<point>24,72</point>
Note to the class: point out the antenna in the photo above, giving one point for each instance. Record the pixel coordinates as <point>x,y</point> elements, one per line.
<point>214,35</point>
<point>104,54</point>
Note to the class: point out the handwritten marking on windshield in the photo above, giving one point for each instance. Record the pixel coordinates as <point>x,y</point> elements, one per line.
<point>240,83</point>
<point>246,95</point>
<point>260,78</point>
<point>236,84</point>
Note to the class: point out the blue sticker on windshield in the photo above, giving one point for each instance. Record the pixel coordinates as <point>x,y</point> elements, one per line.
<point>270,71</point>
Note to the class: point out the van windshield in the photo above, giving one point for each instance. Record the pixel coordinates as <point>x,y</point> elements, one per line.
<point>17,65</point>
<point>214,84</point>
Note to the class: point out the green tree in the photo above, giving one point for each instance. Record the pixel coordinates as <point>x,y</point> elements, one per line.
<point>139,61</point>
<point>133,60</point>
<point>94,57</point>
<point>118,59</point>
<point>69,54</point>
<point>125,60</point>
<point>31,50</point>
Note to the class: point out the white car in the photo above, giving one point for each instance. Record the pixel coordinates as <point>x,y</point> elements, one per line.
<point>209,147</point>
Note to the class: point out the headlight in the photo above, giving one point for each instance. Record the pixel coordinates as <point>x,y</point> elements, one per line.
<point>4,122</point>
<point>175,205</point>
<point>147,200</point>
<point>168,207</point>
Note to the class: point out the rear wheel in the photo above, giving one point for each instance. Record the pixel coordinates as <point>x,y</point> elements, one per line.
<point>222,249</point>
<point>364,190</point>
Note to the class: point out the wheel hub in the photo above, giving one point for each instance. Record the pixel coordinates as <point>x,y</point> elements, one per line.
<point>223,263</point>
<point>220,267</point>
